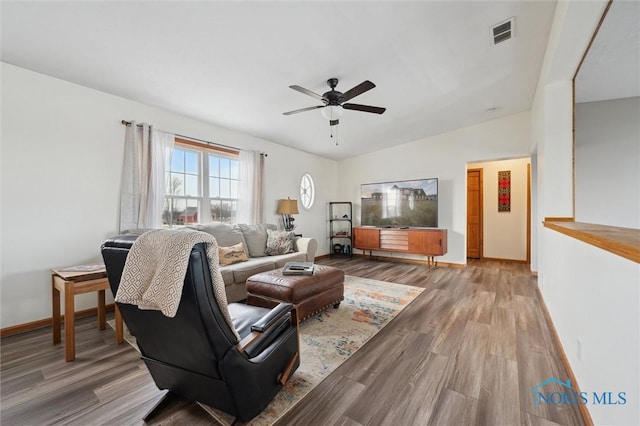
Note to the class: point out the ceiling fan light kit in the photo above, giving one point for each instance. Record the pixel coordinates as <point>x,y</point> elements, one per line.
<point>332,112</point>
<point>334,101</point>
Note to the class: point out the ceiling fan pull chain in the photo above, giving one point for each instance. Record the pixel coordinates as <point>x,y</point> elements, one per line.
<point>331,133</point>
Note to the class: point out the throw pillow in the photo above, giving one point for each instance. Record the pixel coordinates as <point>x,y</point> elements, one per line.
<point>225,235</point>
<point>256,238</point>
<point>279,242</point>
<point>231,255</point>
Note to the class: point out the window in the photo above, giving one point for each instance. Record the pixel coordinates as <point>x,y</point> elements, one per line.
<point>202,185</point>
<point>307,191</point>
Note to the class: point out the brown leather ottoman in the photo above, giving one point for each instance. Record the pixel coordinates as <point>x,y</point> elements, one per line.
<point>310,294</point>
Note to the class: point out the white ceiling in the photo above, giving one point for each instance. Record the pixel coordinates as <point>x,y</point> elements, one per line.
<point>611,69</point>
<point>230,63</point>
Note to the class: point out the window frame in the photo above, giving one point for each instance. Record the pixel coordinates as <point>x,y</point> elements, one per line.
<point>312,187</point>
<point>203,199</point>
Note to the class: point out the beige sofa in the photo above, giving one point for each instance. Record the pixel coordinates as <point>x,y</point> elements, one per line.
<point>254,239</point>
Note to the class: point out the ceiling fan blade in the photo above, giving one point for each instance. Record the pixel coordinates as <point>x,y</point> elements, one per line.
<point>358,90</point>
<point>364,108</point>
<point>307,92</point>
<point>303,110</point>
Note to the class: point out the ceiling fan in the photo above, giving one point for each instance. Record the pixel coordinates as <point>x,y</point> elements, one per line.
<point>334,101</point>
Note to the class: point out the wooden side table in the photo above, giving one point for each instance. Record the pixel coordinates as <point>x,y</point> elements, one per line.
<point>78,280</point>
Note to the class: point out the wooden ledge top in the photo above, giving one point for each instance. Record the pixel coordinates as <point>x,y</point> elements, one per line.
<point>624,242</point>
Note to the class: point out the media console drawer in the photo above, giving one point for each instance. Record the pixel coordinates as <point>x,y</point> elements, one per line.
<point>394,239</point>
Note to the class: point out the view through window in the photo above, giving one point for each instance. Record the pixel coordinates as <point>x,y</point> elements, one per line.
<point>202,186</point>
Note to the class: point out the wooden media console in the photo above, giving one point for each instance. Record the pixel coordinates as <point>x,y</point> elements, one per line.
<point>428,242</point>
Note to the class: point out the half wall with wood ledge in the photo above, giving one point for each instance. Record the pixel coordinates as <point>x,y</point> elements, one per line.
<point>623,242</point>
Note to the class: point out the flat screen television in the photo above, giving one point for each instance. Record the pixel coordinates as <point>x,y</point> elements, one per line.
<point>407,203</point>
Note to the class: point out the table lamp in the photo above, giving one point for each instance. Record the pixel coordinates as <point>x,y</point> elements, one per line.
<point>287,208</point>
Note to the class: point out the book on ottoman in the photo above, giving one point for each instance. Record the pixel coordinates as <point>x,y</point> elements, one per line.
<point>298,268</point>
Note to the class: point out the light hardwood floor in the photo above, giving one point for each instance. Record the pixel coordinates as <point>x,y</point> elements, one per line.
<point>467,351</point>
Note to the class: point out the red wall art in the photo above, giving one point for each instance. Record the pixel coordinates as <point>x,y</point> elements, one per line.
<point>504,191</point>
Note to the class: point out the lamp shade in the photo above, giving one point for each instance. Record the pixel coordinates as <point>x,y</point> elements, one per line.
<point>287,206</point>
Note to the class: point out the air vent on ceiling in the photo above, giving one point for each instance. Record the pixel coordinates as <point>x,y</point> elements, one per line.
<point>503,31</point>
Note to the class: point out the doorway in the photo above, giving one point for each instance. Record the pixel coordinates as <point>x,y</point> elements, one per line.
<point>474,213</point>
<point>497,233</point>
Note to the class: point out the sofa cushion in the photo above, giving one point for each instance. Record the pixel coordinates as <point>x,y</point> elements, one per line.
<point>279,242</point>
<point>239,272</point>
<point>242,271</point>
<point>231,255</point>
<point>296,256</point>
<point>227,275</point>
<point>256,238</point>
<point>225,235</point>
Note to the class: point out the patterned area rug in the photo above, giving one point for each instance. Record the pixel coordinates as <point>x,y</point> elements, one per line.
<point>329,338</point>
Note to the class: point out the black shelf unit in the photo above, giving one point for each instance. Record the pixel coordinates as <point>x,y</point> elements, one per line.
<point>340,229</point>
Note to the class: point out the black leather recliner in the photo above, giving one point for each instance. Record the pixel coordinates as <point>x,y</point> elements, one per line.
<point>195,355</point>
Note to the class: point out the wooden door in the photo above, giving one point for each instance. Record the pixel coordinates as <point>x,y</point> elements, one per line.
<point>474,213</point>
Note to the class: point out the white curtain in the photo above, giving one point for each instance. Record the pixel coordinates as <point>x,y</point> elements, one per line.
<point>251,194</point>
<point>147,154</point>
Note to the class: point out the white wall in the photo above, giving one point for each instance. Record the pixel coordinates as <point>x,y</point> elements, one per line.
<point>607,162</point>
<point>533,253</point>
<point>592,295</point>
<point>573,25</point>
<point>62,148</point>
<point>504,233</point>
<point>445,157</point>
<point>558,151</point>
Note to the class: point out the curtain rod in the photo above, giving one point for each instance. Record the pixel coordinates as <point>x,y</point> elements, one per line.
<point>128,123</point>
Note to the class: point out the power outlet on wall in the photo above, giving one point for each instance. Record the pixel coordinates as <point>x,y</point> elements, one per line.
<point>579,349</point>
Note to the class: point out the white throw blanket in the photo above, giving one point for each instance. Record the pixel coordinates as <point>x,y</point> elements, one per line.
<point>155,268</point>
